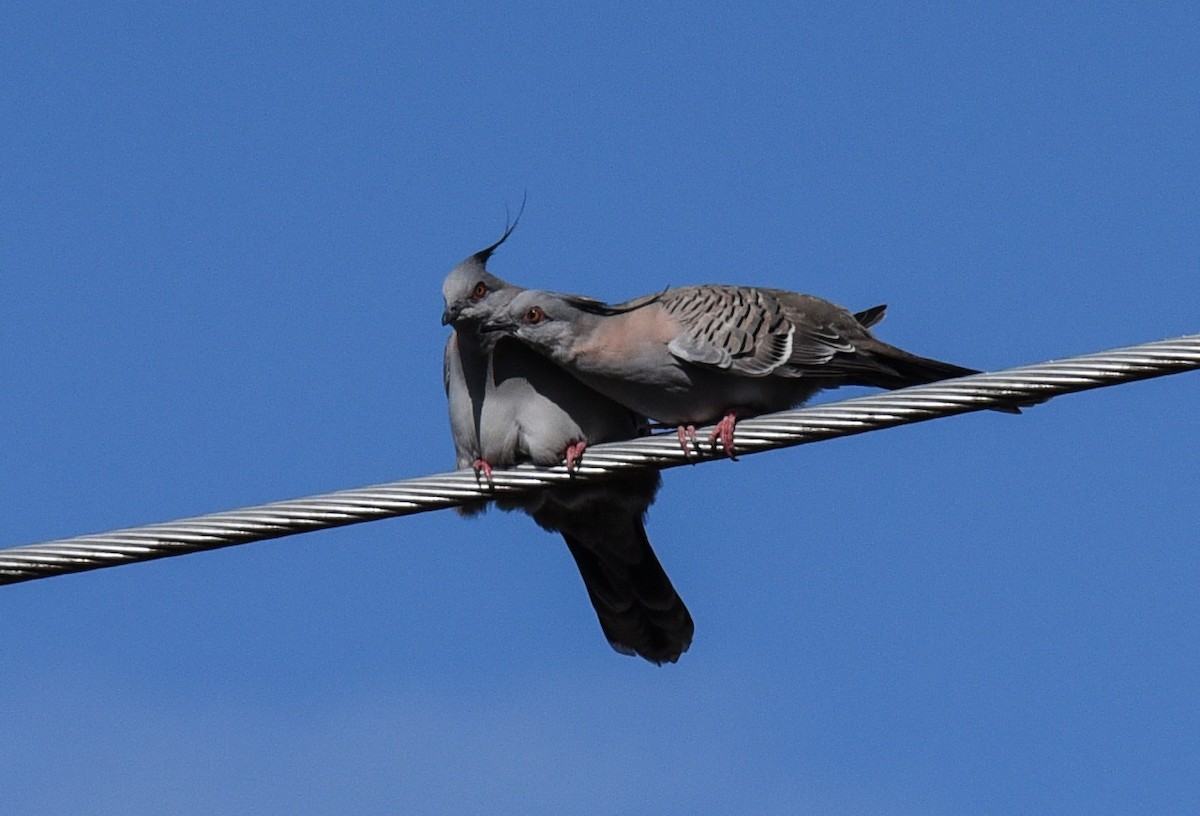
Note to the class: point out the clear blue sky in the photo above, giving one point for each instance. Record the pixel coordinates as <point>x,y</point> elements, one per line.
<point>222,240</point>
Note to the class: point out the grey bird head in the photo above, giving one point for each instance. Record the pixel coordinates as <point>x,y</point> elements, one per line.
<point>470,292</point>
<point>546,321</point>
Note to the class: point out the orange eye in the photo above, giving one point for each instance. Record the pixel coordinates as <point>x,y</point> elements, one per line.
<point>479,291</point>
<point>534,316</point>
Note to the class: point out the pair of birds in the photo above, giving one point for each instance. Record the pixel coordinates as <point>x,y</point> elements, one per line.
<point>535,376</point>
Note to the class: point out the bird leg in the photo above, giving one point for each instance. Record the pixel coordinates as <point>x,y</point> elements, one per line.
<point>724,432</point>
<point>687,433</point>
<point>573,454</point>
<point>481,466</point>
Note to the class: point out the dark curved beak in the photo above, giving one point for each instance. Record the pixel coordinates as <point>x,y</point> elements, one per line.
<point>450,315</point>
<point>495,325</point>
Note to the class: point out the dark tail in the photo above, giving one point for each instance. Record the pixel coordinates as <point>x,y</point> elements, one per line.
<point>639,610</point>
<point>837,348</point>
<point>882,366</point>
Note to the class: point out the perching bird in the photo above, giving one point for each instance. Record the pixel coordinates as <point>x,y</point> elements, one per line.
<point>509,405</point>
<point>713,353</point>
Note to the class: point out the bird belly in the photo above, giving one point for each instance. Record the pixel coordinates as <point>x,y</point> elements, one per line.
<point>688,395</point>
<point>534,410</point>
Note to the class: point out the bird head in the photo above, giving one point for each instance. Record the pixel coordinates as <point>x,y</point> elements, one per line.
<point>545,321</point>
<point>469,290</point>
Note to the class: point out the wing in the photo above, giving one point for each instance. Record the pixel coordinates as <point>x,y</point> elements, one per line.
<point>448,359</point>
<point>736,328</point>
<point>461,404</point>
<point>871,317</point>
<point>824,332</point>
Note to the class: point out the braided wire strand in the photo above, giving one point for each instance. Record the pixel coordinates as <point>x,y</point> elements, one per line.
<point>1008,388</point>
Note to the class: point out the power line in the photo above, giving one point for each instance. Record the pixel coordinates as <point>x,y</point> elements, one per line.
<point>1015,386</point>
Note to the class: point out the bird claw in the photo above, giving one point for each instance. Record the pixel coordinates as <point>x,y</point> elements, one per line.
<point>724,432</point>
<point>686,433</point>
<point>481,466</point>
<point>573,454</point>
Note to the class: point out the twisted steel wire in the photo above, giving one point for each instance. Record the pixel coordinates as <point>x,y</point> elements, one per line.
<point>1008,388</point>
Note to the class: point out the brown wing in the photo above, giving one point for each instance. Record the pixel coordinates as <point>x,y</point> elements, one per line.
<point>737,328</point>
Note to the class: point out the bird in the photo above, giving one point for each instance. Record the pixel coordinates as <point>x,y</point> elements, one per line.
<point>509,405</point>
<point>712,353</point>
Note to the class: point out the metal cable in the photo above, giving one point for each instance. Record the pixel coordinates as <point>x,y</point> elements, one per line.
<point>1015,386</point>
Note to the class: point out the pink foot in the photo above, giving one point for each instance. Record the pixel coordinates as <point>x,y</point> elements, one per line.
<point>687,433</point>
<point>480,466</point>
<point>724,432</point>
<point>573,454</point>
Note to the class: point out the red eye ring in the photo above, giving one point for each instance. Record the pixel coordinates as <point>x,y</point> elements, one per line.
<point>479,291</point>
<point>534,316</point>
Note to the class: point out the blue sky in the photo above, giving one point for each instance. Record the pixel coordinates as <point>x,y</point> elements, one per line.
<point>223,234</point>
